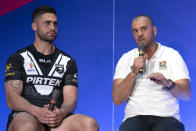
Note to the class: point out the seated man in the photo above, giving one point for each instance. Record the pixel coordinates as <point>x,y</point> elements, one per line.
<point>31,76</point>
<point>151,79</point>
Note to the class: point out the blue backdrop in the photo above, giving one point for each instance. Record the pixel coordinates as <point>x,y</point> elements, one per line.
<point>88,32</point>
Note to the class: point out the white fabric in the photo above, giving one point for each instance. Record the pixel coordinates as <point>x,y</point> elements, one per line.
<point>149,98</point>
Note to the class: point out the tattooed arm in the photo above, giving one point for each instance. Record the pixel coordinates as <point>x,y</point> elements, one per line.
<point>14,89</point>
<point>16,102</point>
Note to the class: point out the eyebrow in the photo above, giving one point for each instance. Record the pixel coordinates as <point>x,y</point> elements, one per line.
<point>140,27</point>
<point>51,21</point>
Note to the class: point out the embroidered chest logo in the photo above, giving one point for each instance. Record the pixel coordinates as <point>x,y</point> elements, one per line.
<point>59,68</point>
<point>31,67</point>
<point>162,65</point>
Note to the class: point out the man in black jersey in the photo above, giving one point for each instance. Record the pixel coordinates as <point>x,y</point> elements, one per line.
<point>32,74</point>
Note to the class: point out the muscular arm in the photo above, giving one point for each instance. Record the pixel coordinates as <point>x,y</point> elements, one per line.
<point>122,88</point>
<point>70,99</point>
<point>15,101</point>
<point>70,90</point>
<point>68,106</point>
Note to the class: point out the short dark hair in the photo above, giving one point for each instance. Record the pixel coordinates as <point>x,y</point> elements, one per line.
<point>41,10</point>
<point>144,15</point>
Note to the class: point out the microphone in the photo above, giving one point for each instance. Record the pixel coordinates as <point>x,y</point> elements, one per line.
<point>141,53</point>
<point>55,95</point>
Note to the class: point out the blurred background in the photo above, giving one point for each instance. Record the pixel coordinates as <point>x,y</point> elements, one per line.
<point>96,33</point>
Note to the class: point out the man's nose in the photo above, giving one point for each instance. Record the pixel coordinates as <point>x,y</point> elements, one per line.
<point>52,26</point>
<point>140,33</point>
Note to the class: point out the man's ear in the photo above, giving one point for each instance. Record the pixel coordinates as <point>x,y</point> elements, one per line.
<point>34,26</point>
<point>155,30</point>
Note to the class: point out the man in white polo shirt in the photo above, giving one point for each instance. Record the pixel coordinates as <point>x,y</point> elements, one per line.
<point>151,83</point>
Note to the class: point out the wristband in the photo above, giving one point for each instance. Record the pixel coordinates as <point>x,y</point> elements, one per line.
<point>172,86</point>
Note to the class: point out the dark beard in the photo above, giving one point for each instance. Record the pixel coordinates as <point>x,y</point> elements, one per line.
<point>43,38</point>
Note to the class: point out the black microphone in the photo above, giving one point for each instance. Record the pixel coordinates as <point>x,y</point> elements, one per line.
<point>55,95</point>
<point>141,53</point>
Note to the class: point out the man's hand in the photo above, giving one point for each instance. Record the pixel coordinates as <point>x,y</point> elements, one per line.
<point>159,79</point>
<point>41,115</point>
<point>54,118</point>
<point>139,62</point>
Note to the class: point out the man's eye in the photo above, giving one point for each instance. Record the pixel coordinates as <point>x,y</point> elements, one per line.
<point>55,23</point>
<point>144,28</point>
<point>134,31</point>
<point>47,22</point>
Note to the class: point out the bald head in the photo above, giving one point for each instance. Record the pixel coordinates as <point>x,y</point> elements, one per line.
<point>143,30</point>
<point>139,17</point>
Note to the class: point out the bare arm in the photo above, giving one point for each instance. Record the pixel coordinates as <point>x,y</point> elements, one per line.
<point>15,101</point>
<point>70,99</point>
<point>68,106</point>
<point>122,88</point>
<point>181,90</point>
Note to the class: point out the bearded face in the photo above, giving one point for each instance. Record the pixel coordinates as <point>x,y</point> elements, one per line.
<point>46,27</point>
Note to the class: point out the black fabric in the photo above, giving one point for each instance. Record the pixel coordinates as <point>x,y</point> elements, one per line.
<point>151,123</point>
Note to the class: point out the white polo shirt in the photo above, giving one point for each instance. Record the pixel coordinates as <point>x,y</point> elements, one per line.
<point>149,98</point>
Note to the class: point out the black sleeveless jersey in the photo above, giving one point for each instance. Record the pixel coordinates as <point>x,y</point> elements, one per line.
<point>41,73</point>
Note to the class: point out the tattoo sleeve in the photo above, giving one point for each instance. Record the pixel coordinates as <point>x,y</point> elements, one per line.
<point>15,84</point>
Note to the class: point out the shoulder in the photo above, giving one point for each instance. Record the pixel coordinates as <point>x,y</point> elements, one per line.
<point>59,51</point>
<point>17,54</point>
<point>130,54</point>
<point>128,58</point>
<point>168,49</point>
<point>66,57</point>
<point>169,52</point>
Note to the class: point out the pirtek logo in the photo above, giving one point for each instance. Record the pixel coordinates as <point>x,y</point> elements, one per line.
<point>43,81</point>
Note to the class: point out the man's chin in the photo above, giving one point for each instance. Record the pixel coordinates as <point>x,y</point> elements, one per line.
<point>141,42</point>
<point>50,40</point>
